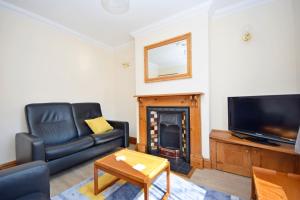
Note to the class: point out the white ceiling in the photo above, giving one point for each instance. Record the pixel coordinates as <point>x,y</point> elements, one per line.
<point>87,17</point>
<point>219,4</point>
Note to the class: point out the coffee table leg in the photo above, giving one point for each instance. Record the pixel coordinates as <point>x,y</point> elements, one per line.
<point>168,179</point>
<point>146,191</point>
<point>95,180</point>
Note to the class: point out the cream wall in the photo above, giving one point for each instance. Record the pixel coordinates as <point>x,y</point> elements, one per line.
<point>39,63</point>
<point>197,24</point>
<point>124,78</point>
<point>265,65</point>
<point>296,6</point>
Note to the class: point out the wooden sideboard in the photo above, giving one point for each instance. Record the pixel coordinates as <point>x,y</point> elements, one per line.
<point>235,155</point>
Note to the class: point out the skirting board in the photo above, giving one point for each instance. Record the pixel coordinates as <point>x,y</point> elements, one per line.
<point>8,165</point>
<point>207,163</point>
<point>132,140</point>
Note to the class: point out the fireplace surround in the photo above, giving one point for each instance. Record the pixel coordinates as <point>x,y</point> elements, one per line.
<point>189,101</point>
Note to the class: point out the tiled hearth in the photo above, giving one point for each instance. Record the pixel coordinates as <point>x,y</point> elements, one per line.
<point>170,126</point>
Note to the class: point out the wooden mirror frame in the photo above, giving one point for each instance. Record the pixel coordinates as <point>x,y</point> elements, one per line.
<point>186,37</point>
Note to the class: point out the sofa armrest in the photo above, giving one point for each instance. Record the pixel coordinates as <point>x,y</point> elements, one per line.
<point>29,148</point>
<point>25,179</point>
<point>124,126</point>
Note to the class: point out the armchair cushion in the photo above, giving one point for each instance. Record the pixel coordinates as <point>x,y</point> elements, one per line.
<point>68,148</point>
<point>25,180</point>
<point>107,136</point>
<point>83,111</point>
<point>53,122</point>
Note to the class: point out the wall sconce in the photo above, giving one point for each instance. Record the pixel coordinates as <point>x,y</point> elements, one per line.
<point>247,36</point>
<point>126,65</point>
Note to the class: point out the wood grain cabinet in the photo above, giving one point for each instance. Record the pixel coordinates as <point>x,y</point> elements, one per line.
<point>234,155</point>
<point>233,158</point>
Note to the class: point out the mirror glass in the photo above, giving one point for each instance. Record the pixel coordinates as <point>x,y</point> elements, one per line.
<point>168,60</point>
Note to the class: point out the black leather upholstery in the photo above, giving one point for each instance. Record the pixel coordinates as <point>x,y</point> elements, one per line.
<point>53,122</point>
<point>123,126</point>
<point>28,181</point>
<point>73,146</point>
<point>59,135</point>
<point>29,148</point>
<point>96,151</point>
<point>83,111</point>
<point>108,136</point>
<point>34,196</point>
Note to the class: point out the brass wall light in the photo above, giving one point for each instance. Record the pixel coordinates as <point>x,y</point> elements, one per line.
<point>247,36</point>
<point>125,65</point>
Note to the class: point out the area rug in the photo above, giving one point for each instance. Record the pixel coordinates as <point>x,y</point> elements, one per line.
<point>181,189</point>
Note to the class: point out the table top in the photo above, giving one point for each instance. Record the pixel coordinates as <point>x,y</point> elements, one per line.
<point>150,166</point>
<point>274,185</point>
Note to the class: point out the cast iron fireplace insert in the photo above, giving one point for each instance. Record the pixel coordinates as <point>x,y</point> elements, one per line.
<point>168,135</point>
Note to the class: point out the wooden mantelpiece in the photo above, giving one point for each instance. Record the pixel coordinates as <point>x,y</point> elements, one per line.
<point>191,100</point>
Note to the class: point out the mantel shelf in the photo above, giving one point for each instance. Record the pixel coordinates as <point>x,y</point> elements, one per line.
<point>167,95</point>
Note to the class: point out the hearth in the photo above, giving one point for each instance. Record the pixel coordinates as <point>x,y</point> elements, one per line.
<point>168,133</point>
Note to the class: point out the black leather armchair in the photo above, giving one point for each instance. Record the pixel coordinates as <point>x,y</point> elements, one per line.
<point>59,135</point>
<point>29,181</point>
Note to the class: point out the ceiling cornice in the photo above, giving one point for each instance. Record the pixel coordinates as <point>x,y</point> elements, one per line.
<point>56,25</point>
<point>200,9</point>
<point>243,5</point>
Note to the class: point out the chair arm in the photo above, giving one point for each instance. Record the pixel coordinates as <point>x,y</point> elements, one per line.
<point>25,179</point>
<point>124,126</point>
<point>29,148</point>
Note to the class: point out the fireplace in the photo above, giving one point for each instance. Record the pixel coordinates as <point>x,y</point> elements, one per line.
<point>163,112</point>
<point>168,133</point>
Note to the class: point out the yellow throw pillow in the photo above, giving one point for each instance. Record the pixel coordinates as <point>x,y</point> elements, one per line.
<point>99,125</point>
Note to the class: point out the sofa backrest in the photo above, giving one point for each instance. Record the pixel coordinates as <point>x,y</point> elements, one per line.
<point>53,122</point>
<point>83,111</point>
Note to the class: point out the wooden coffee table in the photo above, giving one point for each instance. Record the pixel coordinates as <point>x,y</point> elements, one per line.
<point>270,184</point>
<point>124,169</point>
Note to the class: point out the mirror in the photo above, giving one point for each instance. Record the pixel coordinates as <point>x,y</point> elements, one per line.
<point>168,60</point>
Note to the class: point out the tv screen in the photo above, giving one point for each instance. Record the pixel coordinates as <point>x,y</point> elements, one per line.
<point>274,117</point>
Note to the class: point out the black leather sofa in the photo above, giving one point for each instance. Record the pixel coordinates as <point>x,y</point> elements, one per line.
<point>59,135</point>
<point>29,181</point>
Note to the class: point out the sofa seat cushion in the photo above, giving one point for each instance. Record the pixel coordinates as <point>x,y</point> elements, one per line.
<point>108,136</point>
<point>68,148</point>
<point>34,196</point>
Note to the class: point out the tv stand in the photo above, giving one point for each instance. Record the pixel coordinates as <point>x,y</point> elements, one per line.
<point>238,155</point>
<point>253,139</point>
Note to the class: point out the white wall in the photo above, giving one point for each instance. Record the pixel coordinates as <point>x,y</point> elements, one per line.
<point>265,65</point>
<point>124,79</point>
<point>197,24</point>
<point>39,63</point>
<point>296,6</point>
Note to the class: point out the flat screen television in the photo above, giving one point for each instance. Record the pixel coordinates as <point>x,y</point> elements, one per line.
<point>273,117</point>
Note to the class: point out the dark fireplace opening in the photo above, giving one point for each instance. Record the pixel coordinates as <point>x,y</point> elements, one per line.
<point>168,135</point>
<point>170,130</point>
